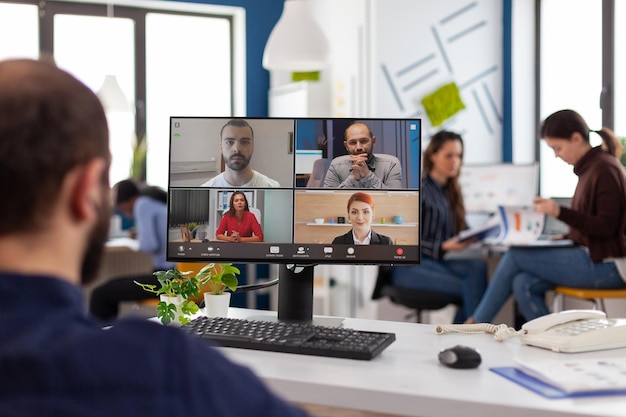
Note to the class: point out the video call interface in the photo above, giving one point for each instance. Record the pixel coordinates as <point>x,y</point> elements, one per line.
<point>294,190</point>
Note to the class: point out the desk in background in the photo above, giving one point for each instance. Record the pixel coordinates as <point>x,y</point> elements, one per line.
<point>407,380</point>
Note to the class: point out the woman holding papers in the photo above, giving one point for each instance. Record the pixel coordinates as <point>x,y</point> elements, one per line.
<point>597,221</point>
<point>443,217</point>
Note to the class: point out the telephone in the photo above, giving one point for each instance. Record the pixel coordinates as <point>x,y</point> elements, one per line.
<point>567,331</point>
<point>575,331</point>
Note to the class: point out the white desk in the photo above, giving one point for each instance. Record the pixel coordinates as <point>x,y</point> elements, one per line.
<point>407,380</point>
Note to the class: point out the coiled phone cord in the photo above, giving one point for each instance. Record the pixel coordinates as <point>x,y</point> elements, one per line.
<point>500,331</point>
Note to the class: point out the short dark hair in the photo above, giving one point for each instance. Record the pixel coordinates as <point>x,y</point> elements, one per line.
<point>124,191</point>
<point>50,123</point>
<point>237,123</point>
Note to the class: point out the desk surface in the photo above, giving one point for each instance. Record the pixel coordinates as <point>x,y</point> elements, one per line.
<point>122,244</point>
<point>407,380</point>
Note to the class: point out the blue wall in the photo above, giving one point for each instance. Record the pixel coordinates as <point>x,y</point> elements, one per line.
<point>507,99</point>
<point>261,17</point>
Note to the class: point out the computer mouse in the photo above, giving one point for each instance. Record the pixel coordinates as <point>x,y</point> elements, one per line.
<point>460,357</point>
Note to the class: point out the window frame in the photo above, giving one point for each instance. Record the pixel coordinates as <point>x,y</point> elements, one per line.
<point>606,91</point>
<point>137,11</point>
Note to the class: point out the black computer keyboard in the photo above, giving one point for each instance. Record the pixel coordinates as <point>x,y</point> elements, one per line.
<point>287,337</point>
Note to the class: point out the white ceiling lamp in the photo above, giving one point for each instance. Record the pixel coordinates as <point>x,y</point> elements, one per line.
<point>111,95</point>
<point>297,43</point>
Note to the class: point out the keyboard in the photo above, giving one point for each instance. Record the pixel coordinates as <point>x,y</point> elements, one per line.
<point>289,337</point>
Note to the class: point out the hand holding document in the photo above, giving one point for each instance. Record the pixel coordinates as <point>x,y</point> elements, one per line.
<point>491,228</point>
<point>513,226</point>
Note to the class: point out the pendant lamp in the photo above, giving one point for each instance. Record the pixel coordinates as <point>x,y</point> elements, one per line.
<point>111,95</point>
<point>296,43</point>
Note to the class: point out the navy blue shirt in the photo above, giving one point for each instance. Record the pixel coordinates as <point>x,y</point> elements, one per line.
<point>55,361</point>
<point>438,223</point>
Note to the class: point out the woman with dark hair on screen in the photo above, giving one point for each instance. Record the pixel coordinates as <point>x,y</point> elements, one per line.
<point>597,221</point>
<point>239,224</point>
<point>443,217</point>
<point>360,214</point>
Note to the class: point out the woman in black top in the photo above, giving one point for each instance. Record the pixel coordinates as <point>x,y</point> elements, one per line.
<point>443,217</point>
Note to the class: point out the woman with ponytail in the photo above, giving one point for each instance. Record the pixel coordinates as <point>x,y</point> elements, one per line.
<point>597,222</point>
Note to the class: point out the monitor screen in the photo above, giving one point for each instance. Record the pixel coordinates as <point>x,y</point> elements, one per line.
<point>284,190</point>
<point>487,186</point>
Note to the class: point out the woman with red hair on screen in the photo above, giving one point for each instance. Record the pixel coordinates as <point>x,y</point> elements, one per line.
<point>360,214</point>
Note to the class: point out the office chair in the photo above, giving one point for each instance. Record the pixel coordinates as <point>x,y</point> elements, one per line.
<point>320,166</point>
<point>418,300</point>
<point>595,296</point>
<point>257,214</point>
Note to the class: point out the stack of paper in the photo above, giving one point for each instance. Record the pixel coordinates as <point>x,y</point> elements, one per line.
<point>579,375</point>
<point>513,226</point>
<point>570,376</point>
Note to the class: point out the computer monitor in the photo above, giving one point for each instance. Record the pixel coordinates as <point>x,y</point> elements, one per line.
<point>300,223</point>
<point>486,186</point>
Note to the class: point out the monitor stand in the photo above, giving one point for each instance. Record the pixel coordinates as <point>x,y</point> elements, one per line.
<point>295,298</point>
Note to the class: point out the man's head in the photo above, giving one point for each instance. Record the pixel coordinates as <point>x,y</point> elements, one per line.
<point>237,144</point>
<point>54,157</point>
<point>359,139</point>
<point>125,193</point>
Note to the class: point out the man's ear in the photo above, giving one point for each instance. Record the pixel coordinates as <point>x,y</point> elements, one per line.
<point>86,195</point>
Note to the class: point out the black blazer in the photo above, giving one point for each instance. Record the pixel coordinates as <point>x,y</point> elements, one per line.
<point>376,239</point>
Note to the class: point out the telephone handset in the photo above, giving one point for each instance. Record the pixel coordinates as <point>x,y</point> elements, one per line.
<point>575,331</point>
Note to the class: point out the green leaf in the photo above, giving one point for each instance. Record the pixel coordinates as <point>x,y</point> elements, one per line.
<point>189,307</point>
<point>230,281</point>
<point>166,312</point>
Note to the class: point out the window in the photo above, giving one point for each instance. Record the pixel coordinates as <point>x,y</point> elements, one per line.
<point>571,78</point>
<point>105,47</point>
<point>574,71</point>
<point>183,78</point>
<point>173,58</point>
<point>19,22</point>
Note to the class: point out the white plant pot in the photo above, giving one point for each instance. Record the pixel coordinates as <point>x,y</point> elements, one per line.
<point>177,300</point>
<point>216,305</point>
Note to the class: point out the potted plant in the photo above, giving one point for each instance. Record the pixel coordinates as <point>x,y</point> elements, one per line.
<point>216,299</point>
<point>180,290</point>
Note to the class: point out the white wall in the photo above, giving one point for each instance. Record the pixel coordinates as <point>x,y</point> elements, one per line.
<point>386,55</point>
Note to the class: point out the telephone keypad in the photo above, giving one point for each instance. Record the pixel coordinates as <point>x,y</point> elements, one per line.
<point>575,329</point>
